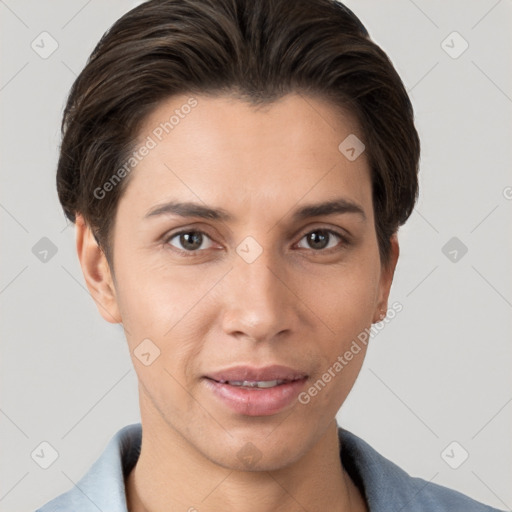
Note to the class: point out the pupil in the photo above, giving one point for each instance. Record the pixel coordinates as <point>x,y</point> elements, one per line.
<point>318,239</point>
<point>191,240</point>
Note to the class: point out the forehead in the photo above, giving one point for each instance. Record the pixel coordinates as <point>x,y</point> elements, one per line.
<point>224,150</point>
<point>225,122</point>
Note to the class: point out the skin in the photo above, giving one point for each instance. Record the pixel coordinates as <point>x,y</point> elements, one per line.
<point>208,309</point>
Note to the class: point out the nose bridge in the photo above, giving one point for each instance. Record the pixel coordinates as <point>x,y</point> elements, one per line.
<point>258,304</point>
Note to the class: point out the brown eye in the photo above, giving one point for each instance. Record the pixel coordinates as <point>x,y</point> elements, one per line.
<point>190,241</point>
<point>321,239</point>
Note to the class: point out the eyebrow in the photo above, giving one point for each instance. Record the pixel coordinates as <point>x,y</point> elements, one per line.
<point>191,209</point>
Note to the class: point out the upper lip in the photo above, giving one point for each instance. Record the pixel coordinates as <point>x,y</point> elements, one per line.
<point>251,373</point>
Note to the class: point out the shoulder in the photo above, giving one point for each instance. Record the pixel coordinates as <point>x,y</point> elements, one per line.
<point>388,487</point>
<point>103,487</point>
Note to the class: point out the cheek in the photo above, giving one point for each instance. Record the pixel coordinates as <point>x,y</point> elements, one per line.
<point>166,305</point>
<point>154,297</point>
<point>343,298</point>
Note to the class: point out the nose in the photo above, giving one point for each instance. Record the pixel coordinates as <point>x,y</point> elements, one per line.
<point>259,300</point>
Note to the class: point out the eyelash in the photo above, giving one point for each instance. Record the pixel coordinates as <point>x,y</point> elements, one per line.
<point>344,240</point>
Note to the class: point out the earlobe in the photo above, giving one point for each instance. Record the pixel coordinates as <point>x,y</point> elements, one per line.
<point>386,279</point>
<point>96,270</point>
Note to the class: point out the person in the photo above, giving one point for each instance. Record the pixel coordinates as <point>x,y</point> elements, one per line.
<point>237,172</point>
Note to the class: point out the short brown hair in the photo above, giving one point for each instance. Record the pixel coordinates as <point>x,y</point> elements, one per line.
<point>260,51</point>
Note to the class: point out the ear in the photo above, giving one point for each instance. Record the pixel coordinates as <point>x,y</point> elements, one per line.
<point>386,278</point>
<point>96,272</point>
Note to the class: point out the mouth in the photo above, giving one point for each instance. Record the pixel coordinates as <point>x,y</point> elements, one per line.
<point>256,391</point>
<point>258,384</point>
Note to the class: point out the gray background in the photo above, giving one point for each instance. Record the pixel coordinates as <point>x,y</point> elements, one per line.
<point>438,372</point>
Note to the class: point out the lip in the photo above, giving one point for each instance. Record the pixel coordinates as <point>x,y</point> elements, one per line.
<point>273,372</point>
<point>256,401</point>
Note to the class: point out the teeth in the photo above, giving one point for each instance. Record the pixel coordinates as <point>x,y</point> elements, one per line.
<point>256,384</point>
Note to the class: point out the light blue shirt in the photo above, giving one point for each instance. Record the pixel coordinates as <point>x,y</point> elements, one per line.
<point>387,488</point>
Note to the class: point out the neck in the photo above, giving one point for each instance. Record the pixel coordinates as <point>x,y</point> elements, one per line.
<point>171,474</point>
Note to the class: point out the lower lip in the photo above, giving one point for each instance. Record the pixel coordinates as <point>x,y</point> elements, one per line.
<point>257,401</point>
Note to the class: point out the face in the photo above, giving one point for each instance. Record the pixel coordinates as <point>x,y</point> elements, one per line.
<point>246,263</point>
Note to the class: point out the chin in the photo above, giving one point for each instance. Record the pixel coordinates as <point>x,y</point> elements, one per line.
<point>260,448</point>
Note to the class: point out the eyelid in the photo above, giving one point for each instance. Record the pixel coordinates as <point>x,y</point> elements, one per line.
<point>342,233</point>
<point>192,228</point>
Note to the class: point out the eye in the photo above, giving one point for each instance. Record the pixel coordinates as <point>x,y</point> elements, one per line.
<point>190,241</point>
<point>322,239</point>
<point>193,241</point>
